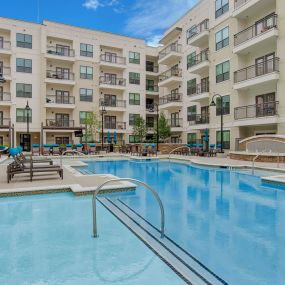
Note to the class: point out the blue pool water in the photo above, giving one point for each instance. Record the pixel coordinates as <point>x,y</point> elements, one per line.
<point>46,240</point>
<point>228,220</point>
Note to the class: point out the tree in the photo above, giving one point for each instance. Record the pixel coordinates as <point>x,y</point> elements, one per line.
<point>139,128</point>
<point>92,125</point>
<point>163,128</point>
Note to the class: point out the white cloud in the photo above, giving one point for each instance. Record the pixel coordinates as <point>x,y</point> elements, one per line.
<point>154,40</point>
<point>95,4</point>
<point>91,4</point>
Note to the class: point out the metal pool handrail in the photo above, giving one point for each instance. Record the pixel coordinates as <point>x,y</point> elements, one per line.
<point>95,193</point>
<point>253,161</point>
<point>70,151</point>
<point>178,148</point>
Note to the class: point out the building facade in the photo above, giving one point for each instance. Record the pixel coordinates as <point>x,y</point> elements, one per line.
<point>226,47</point>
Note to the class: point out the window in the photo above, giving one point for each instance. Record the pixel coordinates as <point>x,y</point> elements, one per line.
<point>21,115</point>
<point>86,50</point>
<point>226,105</point>
<point>191,86</point>
<point>222,38</point>
<point>191,113</point>
<point>23,90</point>
<point>191,32</point>
<point>226,139</point>
<point>24,65</point>
<point>86,72</point>
<point>191,59</point>
<point>62,140</point>
<point>191,138</point>
<point>134,139</point>
<point>132,118</point>
<point>86,95</point>
<point>223,71</point>
<point>134,78</point>
<point>134,99</point>
<point>134,57</point>
<point>150,85</point>
<point>83,116</point>
<point>24,40</point>
<point>222,6</point>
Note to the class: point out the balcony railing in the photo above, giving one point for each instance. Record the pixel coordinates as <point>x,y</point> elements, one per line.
<point>152,88</point>
<point>114,59</point>
<point>5,44</point>
<point>198,89</point>
<point>112,81</point>
<point>5,71</point>
<point>60,75</point>
<point>4,122</point>
<point>198,29</point>
<point>113,103</point>
<point>115,125</point>
<point>169,73</point>
<point>59,99</point>
<point>239,3</point>
<point>199,58</point>
<point>253,71</point>
<point>198,119</point>
<point>5,96</point>
<point>255,111</point>
<point>175,123</point>
<point>265,25</point>
<point>59,123</point>
<point>151,68</point>
<point>174,47</point>
<point>175,97</point>
<point>60,51</point>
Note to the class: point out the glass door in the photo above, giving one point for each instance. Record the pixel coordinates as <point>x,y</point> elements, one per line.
<point>62,50</point>
<point>110,78</point>
<point>265,105</point>
<point>110,100</point>
<point>62,97</point>
<point>111,57</point>
<point>62,120</point>
<point>110,122</point>
<point>25,142</point>
<point>1,118</point>
<point>1,42</point>
<point>1,93</point>
<point>175,120</point>
<point>1,69</point>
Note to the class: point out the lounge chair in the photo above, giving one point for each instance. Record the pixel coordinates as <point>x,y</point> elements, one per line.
<point>35,149</point>
<point>46,149</point>
<point>3,149</point>
<point>55,149</point>
<point>92,148</point>
<point>79,148</point>
<point>26,159</point>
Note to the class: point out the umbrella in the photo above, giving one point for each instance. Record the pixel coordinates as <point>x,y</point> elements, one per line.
<point>206,135</point>
<point>108,137</point>
<point>115,137</point>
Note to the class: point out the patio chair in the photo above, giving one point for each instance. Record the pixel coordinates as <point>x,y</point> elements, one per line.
<point>79,148</point>
<point>36,149</point>
<point>56,149</point>
<point>92,148</point>
<point>46,149</point>
<point>152,149</point>
<point>3,149</point>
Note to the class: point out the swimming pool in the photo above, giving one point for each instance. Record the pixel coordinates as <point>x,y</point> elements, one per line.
<point>228,220</point>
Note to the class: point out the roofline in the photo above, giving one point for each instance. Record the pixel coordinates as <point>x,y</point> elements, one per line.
<point>20,20</point>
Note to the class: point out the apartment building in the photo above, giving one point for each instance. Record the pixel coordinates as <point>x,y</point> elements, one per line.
<point>226,47</point>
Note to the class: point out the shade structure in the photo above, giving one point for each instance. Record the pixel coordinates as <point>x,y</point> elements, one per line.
<point>108,137</point>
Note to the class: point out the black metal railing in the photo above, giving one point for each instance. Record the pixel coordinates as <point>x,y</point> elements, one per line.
<point>197,29</point>
<point>112,81</point>
<point>152,88</point>
<point>198,89</point>
<point>60,51</point>
<point>174,47</point>
<point>199,58</point>
<point>113,103</point>
<point>266,67</point>
<point>175,123</point>
<point>177,72</point>
<point>112,59</point>
<point>175,97</point>
<point>4,122</point>
<point>5,96</point>
<point>5,71</point>
<point>61,75</point>
<point>195,119</point>
<point>258,110</point>
<point>152,68</point>
<point>266,23</point>
<point>5,44</point>
<point>60,99</point>
<point>59,123</point>
<point>115,125</point>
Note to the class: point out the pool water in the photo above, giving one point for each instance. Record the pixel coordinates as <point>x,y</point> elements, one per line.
<point>228,220</point>
<point>48,239</point>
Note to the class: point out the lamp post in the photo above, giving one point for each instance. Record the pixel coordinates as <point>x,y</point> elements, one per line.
<point>103,111</point>
<point>213,104</point>
<point>152,109</point>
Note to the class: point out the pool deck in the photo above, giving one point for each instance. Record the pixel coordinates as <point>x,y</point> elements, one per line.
<point>80,184</point>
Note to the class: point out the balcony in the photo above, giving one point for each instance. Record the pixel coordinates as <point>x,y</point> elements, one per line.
<point>59,77</point>
<point>170,77</point>
<point>176,124</point>
<point>198,92</point>
<point>5,123</point>
<point>114,105</point>
<point>152,70</point>
<point>5,99</point>
<point>259,74</point>
<point>199,64</point>
<point>264,34</point>
<point>5,72</point>
<point>249,8</point>
<point>152,89</point>
<point>198,36</point>
<point>59,101</point>
<point>59,52</point>
<point>60,124</point>
<point>171,101</point>
<point>198,119</point>
<point>170,55</point>
<point>5,47</point>
<point>265,113</point>
<point>115,126</point>
<point>114,61</point>
<point>112,83</point>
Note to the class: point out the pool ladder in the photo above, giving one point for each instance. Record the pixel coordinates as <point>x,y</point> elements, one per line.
<point>183,146</point>
<point>155,194</point>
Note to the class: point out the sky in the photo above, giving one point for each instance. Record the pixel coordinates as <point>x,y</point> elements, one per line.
<point>146,19</point>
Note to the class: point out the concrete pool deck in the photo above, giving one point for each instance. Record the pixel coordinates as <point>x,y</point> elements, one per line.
<point>80,184</point>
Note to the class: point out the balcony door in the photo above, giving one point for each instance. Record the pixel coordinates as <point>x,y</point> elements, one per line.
<point>265,24</point>
<point>149,66</point>
<point>265,105</point>
<point>63,73</point>
<point>205,85</point>
<point>1,69</point>
<point>175,120</point>
<point>110,78</point>
<point>110,122</point>
<point>110,100</point>
<point>62,97</point>
<point>264,64</point>
<point>62,120</point>
<point>1,118</point>
<point>204,114</point>
<point>1,42</point>
<point>111,57</point>
<point>1,93</point>
<point>62,50</point>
